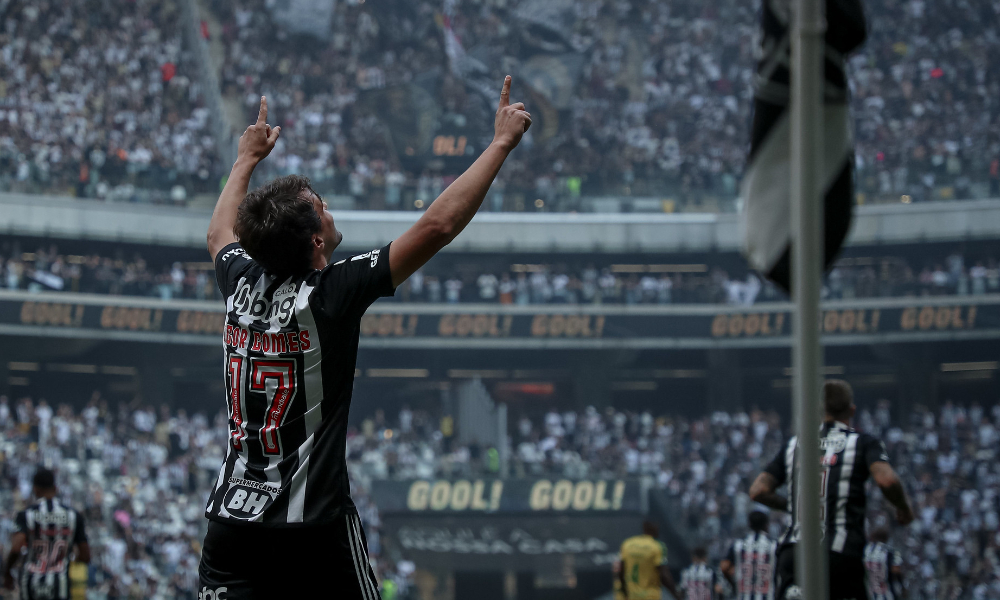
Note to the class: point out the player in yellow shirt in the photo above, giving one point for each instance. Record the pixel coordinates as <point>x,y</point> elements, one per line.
<point>643,572</point>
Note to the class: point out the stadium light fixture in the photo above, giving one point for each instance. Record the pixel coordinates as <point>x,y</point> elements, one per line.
<point>825,370</point>
<point>480,373</point>
<point>404,373</point>
<point>24,366</point>
<point>987,365</point>
<point>634,386</point>
<point>71,368</point>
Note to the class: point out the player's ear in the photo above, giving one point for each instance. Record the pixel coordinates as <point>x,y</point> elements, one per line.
<point>318,245</point>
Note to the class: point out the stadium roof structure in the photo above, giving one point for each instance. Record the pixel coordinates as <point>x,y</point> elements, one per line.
<point>49,216</point>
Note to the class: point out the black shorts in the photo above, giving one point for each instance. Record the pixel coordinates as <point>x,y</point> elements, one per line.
<point>244,562</point>
<point>847,576</point>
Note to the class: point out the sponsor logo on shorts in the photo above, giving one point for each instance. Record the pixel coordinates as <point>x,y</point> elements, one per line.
<point>216,594</point>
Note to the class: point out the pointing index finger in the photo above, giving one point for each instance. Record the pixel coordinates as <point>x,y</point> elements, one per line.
<point>262,115</point>
<point>505,93</point>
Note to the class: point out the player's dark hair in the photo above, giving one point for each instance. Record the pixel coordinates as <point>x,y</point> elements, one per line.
<point>880,535</point>
<point>838,398</point>
<point>758,521</point>
<point>44,479</point>
<point>649,528</point>
<point>275,224</point>
<point>699,553</point>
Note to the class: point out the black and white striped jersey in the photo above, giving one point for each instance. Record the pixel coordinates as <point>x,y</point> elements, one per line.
<point>881,582</point>
<point>846,457</point>
<point>753,557</point>
<point>698,582</point>
<point>51,530</point>
<point>290,348</point>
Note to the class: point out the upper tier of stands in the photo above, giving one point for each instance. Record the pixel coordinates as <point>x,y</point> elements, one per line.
<point>98,96</point>
<point>642,100</point>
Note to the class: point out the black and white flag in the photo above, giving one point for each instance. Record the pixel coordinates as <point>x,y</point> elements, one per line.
<point>766,187</point>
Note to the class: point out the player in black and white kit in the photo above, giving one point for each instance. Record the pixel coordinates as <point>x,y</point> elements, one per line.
<point>884,568</point>
<point>848,459</point>
<point>700,581</point>
<point>48,534</point>
<point>281,520</point>
<point>750,564</point>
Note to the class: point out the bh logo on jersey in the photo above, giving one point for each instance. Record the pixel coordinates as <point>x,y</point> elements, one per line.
<point>243,502</point>
<point>216,594</point>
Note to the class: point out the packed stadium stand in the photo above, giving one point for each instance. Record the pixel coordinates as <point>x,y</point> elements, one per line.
<point>389,103</point>
<point>99,100</point>
<point>551,378</point>
<point>140,475</point>
<point>575,279</point>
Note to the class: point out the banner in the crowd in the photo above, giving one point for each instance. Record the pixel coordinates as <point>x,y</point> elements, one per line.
<point>509,543</point>
<point>507,496</point>
<point>387,323</point>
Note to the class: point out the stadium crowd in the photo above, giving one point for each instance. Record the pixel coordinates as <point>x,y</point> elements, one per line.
<point>946,458</point>
<point>655,99</point>
<point>635,98</point>
<point>98,99</point>
<point>521,284</point>
<point>142,476</point>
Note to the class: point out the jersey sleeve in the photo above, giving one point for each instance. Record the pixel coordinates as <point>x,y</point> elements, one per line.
<point>660,559</point>
<point>80,535</point>
<point>230,263</point>
<point>873,450</point>
<point>777,468</point>
<point>349,287</point>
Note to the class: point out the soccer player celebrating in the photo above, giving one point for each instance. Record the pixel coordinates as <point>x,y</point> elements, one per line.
<point>48,531</point>
<point>749,566</point>
<point>849,459</point>
<point>884,567</point>
<point>281,520</point>
<point>642,569</point>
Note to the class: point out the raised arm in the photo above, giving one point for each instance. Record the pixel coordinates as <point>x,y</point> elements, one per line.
<point>454,208</point>
<point>892,488</point>
<point>763,490</point>
<point>255,144</point>
<point>667,581</point>
<point>17,543</point>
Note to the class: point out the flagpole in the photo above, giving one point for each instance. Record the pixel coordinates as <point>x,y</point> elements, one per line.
<point>807,41</point>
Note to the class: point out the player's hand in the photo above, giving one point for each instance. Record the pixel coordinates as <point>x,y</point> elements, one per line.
<point>511,121</point>
<point>904,516</point>
<point>258,140</point>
